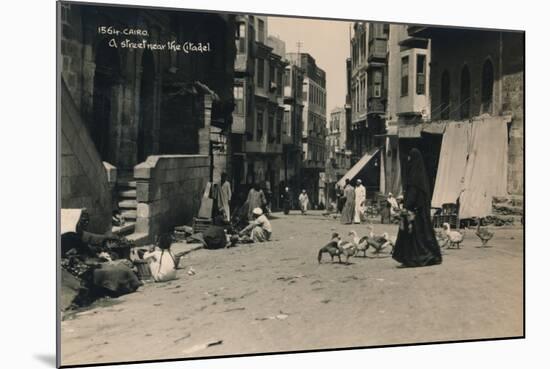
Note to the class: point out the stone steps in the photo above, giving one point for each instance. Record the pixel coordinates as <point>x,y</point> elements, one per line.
<point>128,204</point>
<point>127,194</point>
<point>129,215</point>
<point>126,184</point>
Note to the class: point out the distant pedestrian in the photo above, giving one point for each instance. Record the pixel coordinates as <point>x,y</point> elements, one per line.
<point>303,199</point>
<point>287,198</point>
<point>348,211</point>
<point>340,198</point>
<point>224,197</point>
<point>360,200</point>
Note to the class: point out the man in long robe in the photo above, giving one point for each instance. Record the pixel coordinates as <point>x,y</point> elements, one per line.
<point>360,199</point>
<point>224,197</point>
<point>348,212</point>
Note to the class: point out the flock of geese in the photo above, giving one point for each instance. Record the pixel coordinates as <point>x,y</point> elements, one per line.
<point>339,248</point>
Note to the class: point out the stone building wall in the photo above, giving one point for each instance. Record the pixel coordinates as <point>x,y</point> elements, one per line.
<point>169,191</point>
<point>84,182</point>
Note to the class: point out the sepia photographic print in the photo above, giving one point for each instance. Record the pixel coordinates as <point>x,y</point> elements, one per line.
<point>241,184</point>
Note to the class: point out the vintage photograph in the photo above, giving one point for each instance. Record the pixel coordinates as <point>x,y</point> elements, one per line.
<point>239,184</point>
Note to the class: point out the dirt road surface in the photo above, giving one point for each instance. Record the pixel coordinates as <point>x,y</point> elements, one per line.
<point>276,297</point>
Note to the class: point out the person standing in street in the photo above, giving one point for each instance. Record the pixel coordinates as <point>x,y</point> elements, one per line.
<point>286,200</point>
<point>348,211</point>
<point>360,199</point>
<point>224,197</point>
<point>304,202</point>
<point>256,199</point>
<point>416,245</point>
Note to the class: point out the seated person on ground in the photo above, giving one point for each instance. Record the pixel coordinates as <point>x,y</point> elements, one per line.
<point>162,261</point>
<point>259,230</point>
<point>215,236</point>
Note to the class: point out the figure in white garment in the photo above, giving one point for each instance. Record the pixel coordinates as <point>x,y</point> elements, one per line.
<point>360,199</point>
<point>224,197</point>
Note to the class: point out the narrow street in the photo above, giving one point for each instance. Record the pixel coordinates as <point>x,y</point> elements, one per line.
<point>276,297</point>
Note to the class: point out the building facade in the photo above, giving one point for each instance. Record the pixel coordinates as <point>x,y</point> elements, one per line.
<point>258,141</point>
<point>129,105</point>
<point>367,79</point>
<point>338,156</point>
<point>479,74</point>
<point>314,121</point>
<point>292,126</point>
<point>408,104</point>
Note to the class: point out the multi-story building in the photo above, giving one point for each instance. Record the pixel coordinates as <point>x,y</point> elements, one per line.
<point>476,115</point>
<point>367,78</point>
<point>129,114</point>
<point>408,102</point>
<point>259,107</point>
<point>314,123</point>
<point>292,125</point>
<point>338,156</point>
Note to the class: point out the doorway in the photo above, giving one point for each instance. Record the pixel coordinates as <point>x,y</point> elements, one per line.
<point>106,77</point>
<point>146,104</point>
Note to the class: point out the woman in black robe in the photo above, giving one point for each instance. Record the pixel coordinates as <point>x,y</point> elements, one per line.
<point>416,244</point>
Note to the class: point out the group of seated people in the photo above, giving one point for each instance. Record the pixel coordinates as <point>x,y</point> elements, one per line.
<point>99,271</point>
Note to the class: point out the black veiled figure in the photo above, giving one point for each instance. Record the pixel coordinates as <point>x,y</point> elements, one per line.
<point>417,245</point>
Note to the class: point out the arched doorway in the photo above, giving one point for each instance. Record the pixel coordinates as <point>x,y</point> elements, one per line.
<point>487,80</point>
<point>106,77</point>
<point>465,93</point>
<point>146,106</point>
<point>445,95</point>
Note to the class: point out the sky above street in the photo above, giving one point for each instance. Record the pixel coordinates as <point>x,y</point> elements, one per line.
<point>327,41</point>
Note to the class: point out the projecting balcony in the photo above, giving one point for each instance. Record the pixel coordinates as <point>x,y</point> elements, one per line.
<point>378,50</point>
<point>376,105</point>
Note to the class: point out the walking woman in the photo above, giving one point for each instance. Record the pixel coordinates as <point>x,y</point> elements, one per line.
<point>349,207</point>
<point>416,244</point>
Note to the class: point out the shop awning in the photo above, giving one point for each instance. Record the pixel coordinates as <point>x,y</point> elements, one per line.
<point>354,171</point>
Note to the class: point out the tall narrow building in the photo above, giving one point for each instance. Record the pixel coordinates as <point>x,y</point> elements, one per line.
<point>314,123</point>
<point>259,109</point>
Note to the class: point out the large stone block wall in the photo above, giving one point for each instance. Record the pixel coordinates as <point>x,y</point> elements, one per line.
<point>169,191</point>
<point>84,182</point>
<point>513,103</point>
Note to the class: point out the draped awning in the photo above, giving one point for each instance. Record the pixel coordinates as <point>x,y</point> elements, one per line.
<point>472,165</point>
<point>354,171</point>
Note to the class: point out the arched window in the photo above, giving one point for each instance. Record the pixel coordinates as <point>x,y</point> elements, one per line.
<point>487,79</point>
<point>465,93</point>
<point>445,95</point>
